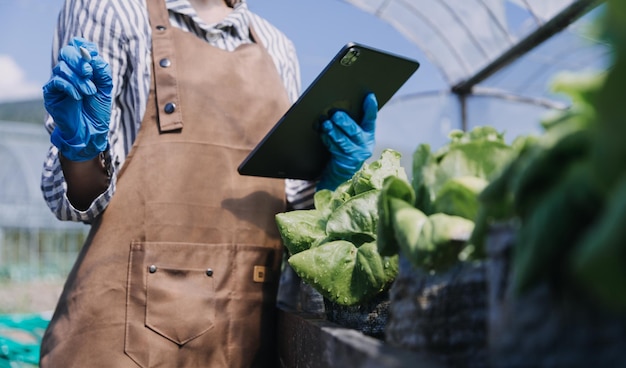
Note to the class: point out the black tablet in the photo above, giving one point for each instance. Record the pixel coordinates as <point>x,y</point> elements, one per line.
<point>293,148</point>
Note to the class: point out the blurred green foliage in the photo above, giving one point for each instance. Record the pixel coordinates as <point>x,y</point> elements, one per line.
<point>566,191</point>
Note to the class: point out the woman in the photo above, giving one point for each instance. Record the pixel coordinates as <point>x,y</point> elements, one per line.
<point>152,105</point>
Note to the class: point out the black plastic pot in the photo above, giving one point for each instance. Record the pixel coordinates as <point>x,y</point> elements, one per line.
<point>442,314</point>
<point>370,317</point>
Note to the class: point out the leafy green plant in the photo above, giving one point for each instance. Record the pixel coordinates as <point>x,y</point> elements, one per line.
<point>333,246</point>
<point>566,191</point>
<point>431,221</point>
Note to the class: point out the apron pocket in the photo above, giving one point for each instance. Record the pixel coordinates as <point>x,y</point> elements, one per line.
<point>174,291</point>
<point>170,295</point>
<point>179,302</point>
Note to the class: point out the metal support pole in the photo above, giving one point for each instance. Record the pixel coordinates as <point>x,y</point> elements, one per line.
<point>549,29</point>
<point>463,101</point>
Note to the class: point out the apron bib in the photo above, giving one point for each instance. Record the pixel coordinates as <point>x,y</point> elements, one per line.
<point>182,268</point>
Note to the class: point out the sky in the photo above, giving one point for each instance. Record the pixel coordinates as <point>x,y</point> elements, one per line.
<point>318,29</point>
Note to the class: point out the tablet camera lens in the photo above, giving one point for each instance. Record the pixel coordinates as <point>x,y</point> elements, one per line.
<point>350,57</point>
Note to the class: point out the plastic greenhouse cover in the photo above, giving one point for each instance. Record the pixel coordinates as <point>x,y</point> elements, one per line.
<point>464,37</point>
<point>22,147</point>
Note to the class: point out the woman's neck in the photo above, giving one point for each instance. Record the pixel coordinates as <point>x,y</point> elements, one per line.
<point>211,11</point>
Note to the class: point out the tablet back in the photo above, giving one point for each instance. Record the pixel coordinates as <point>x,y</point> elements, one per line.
<point>293,148</point>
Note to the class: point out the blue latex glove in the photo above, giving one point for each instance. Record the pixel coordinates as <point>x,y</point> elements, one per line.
<point>78,97</point>
<point>349,143</point>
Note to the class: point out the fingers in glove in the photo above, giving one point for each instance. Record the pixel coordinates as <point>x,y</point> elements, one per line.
<point>370,112</point>
<point>102,77</point>
<point>58,89</point>
<point>329,142</point>
<point>79,42</point>
<point>98,106</point>
<point>101,69</point>
<point>351,130</point>
<point>73,68</point>
<point>336,139</point>
<point>344,122</point>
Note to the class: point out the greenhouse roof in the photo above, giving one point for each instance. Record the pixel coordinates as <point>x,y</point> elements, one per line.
<point>463,37</point>
<point>497,58</point>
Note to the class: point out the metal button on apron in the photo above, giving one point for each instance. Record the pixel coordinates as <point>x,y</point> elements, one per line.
<point>152,269</point>
<point>170,107</point>
<point>164,63</point>
<point>209,272</point>
<point>161,28</point>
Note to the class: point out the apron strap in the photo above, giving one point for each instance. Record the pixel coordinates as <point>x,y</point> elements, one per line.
<point>170,117</point>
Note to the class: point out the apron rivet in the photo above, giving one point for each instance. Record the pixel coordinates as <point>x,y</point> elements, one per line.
<point>209,272</point>
<point>164,63</point>
<point>170,107</point>
<point>161,28</point>
<point>152,269</point>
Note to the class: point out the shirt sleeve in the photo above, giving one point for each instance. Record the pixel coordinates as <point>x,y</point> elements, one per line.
<point>54,190</point>
<point>104,31</point>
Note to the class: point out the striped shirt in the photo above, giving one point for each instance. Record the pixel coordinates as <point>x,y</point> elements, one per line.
<point>121,30</point>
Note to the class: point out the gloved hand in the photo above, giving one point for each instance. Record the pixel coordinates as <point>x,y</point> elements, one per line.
<point>349,144</point>
<point>78,98</point>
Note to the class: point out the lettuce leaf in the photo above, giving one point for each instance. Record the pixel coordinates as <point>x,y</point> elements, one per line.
<point>333,247</point>
<point>432,242</point>
<point>344,273</point>
<point>301,230</point>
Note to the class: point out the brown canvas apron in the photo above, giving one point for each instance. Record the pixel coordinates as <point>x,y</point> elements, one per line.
<point>181,270</point>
